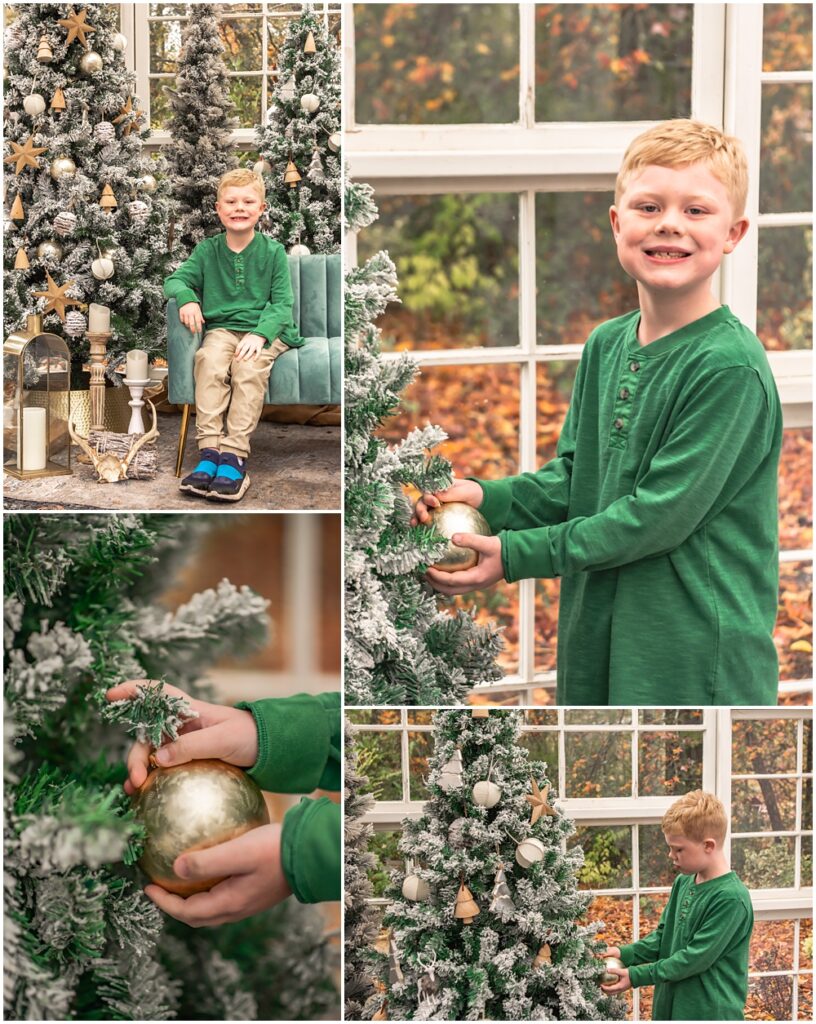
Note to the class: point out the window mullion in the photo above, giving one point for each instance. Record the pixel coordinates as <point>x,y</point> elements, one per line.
<point>527,65</point>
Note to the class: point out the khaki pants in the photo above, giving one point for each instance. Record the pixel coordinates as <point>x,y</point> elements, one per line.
<point>234,387</point>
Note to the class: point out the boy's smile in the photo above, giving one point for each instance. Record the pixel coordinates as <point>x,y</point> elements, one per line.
<point>239,208</point>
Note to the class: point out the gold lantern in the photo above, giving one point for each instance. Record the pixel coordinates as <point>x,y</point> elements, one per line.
<point>36,403</point>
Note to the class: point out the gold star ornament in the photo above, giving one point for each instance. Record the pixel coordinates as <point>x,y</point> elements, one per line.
<point>25,155</point>
<point>538,802</point>
<point>57,299</point>
<point>77,28</point>
<point>128,117</point>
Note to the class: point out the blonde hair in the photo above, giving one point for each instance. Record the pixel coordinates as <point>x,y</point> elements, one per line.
<point>239,177</point>
<point>697,816</point>
<point>681,142</point>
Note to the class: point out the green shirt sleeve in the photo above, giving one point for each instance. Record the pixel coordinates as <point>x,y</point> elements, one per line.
<point>724,919</point>
<point>647,949</point>
<point>277,314</point>
<point>299,742</point>
<point>186,284</point>
<point>532,499</point>
<point>310,850</point>
<point>707,458</point>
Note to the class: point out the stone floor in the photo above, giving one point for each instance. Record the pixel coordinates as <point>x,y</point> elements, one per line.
<point>291,467</point>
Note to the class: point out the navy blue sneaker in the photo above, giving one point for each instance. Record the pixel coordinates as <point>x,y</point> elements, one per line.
<point>199,481</point>
<point>231,480</point>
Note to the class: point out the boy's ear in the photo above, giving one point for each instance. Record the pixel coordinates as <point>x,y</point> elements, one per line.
<point>614,220</point>
<point>736,234</point>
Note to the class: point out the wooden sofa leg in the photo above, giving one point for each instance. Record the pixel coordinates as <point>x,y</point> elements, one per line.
<point>185,423</point>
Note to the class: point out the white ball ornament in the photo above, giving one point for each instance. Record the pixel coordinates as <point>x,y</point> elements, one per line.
<point>529,851</point>
<point>299,249</point>
<point>104,132</point>
<point>62,167</point>
<point>75,324</point>
<point>119,42</point>
<point>415,888</point>
<point>334,142</point>
<point>65,223</point>
<point>262,167</point>
<point>148,183</point>
<point>34,104</point>
<point>102,268</point>
<point>309,102</point>
<point>90,63</point>
<point>486,793</point>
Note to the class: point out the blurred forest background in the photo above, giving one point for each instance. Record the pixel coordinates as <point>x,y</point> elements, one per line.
<point>457,254</point>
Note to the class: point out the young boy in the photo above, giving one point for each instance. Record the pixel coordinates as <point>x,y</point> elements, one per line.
<point>697,959</point>
<point>659,510</point>
<point>237,283</point>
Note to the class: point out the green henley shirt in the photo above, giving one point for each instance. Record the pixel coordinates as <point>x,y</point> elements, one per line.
<point>697,958</point>
<point>247,291</point>
<point>660,513</point>
<point>300,749</point>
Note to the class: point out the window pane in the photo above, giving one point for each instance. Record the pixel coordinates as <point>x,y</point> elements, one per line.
<point>165,45</point>
<point>784,291</point>
<point>275,38</point>
<point>578,278</point>
<point>655,866</point>
<point>769,998</point>
<point>378,758</point>
<point>436,63</point>
<point>613,62</point>
<point>764,747</point>
<point>806,873</point>
<point>806,944</point>
<point>764,863</point>
<point>169,10</point>
<point>786,151</point>
<point>615,914</point>
<point>598,764</point>
<point>771,946</point>
<point>373,716</point>
<point>807,804</point>
<point>670,763</point>
<point>457,261</point>
<point>420,748</point>
<point>796,489</point>
<point>243,40</point>
<point>507,698</point>
<point>787,37</point>
<point>160,112</point>
<point>671,716</point>
<point>419,717</point>
<point>805,1011</point>
<point>794,622</point>
<point>607,856</point>
<point>543,746</point>
<point>651,907</point>
<point>245,93</point>
<point>598,716</point>
<point>384,847</point>
<point>541,717</point>
<point>763,805</point>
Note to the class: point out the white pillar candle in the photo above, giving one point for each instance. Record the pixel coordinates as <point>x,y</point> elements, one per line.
<point>34,446</point>
<point>98,319</point>
<point>137,365</point>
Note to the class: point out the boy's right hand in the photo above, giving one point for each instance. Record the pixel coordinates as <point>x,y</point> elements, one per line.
<point>222,732</point>
<point>611,951</point>
<point>191,316</point>
<point>467,491</point>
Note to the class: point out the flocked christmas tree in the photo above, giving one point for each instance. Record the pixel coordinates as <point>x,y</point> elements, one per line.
<point>203,118</point>
<point>359,918</point>
<point>301,140</point>
<point>400,647</point>
<point>81,939</point>
<point>484,926</point>
<point>86,210</point>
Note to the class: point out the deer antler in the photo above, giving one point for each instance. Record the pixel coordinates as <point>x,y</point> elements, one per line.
<point>83,443</point>
<point>149,436</point>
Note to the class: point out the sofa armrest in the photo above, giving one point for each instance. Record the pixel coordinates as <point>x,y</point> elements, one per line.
<point>182,346</point>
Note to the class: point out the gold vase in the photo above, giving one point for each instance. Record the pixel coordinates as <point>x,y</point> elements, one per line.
<point>117,410</point>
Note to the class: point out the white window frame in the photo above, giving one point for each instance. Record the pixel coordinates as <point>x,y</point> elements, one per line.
<point>137,17</point>
<point>501,158</point>
<point>769,904</point>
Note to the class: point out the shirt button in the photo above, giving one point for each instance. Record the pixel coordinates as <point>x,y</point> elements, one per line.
<point>619,424</point>
<point>623,393</point>
<point>634,366</point>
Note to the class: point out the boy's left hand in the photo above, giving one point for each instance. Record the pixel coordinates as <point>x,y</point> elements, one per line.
<point>622,984</point>
<point>255,880</point>
<point>249,346</point>
<point>488,571</point>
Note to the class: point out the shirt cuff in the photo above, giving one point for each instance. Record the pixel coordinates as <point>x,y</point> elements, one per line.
<point>293,740</point>
<point>642,974</point>
<point>526,554</point>
<point>495,506</point>
<point>310,850</point>
<point>183,296</point>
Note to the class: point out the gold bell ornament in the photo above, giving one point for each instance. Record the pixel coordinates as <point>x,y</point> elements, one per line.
<point>611,963</point>
<point>458,517</point>
<point>291,176</point>
<point>543,956</point>
<point>465,908</point>
<point>58,103</point>
<point>108,200</point>
<point>190,807</point>
<point>44,52</point>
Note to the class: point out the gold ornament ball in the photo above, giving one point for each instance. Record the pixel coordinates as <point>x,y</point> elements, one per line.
<point>457,517</point>
<point>90,63</point>
<point>50,249</point>
<point>192,807</point>
<point>611,962</point>
<point>62,167</point>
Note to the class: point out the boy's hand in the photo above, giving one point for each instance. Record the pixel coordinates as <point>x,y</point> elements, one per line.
<point>190,315</point>
<point>610,951</point>
<point>222,732</point>
<point>255,880</point>
<point>467,491</point>
<point>249,346</point>
<point>488,571</point>
<point>622,984</point>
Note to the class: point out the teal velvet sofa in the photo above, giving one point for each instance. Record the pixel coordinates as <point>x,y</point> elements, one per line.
<point>310,375</point>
